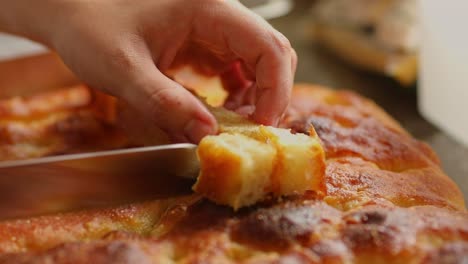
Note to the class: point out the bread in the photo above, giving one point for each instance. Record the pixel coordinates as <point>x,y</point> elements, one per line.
<point>385,200</point>
<point>248,162</point>
<point>68,120</point>
<point>379,36</point>
<point>234,169</point>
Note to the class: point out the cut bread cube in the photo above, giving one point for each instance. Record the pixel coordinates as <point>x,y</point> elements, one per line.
<point>247,162</point>
<point>300,161</point>
<point>234,169</point>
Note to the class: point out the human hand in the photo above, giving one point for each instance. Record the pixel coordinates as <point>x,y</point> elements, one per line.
<point>125,48</point>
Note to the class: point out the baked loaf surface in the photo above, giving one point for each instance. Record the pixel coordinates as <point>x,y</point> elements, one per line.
<point>386,200</point>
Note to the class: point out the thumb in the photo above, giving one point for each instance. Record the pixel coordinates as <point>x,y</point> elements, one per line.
<point>172,108</point>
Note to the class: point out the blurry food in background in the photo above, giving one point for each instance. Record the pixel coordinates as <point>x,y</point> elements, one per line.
<point>377,35</point>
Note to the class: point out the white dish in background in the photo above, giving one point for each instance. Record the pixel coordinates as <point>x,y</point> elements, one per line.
<point>443,80</point>
<point>12,47</point>
<point>269,9</point>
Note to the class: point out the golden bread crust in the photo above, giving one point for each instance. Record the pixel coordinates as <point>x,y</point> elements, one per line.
<point>302,229</point>
<point>57,122</point>
<point>386,200</point>
<point>361,141</point>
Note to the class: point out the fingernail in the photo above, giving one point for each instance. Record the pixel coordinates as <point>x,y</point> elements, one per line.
<point>196,129</point>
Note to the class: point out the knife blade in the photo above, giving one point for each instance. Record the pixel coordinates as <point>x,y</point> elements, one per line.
<point>62,183</point>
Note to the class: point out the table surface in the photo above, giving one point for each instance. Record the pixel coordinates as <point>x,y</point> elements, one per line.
<point>316,65</point>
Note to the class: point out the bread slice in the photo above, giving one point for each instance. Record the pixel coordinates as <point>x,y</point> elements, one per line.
<point>247,162</point>
<point>300,161</point>
<point>234,169</point>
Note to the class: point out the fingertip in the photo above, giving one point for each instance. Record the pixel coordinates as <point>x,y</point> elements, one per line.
<point>268,113</point>
<point>203,124</point>
<point>275,74</point>
<point>271,105</point>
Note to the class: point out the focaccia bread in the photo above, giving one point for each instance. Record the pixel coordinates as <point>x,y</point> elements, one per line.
<point>68,120</point>
<point>385,200</point>
<point>376,35</point>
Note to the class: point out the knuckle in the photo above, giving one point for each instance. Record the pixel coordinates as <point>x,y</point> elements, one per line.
<point>121,58</point>
<point>156,100</point>
<point>282,43</point>
<point>160,99</point>
<point>164,101</point>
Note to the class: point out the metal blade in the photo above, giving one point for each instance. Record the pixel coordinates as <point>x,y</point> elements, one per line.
<point>67,182</point>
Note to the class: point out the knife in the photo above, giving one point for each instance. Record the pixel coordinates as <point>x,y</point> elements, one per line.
<point>68,182</point>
